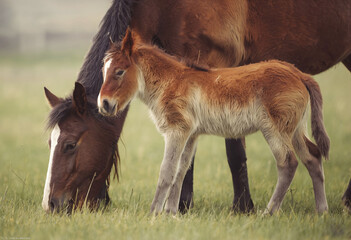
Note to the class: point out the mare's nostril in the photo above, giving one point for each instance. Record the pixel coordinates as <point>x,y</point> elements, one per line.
<point>105,105</point>
<point>52,206</point>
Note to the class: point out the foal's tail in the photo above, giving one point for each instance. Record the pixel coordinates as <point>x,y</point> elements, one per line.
<point>318,130</point>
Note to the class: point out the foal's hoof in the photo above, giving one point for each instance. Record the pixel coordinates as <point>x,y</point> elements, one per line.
<point>267,213</point>
<point>154,213</point>
<point>171,212</point>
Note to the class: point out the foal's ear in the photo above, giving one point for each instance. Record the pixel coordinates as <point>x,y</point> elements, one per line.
<point>79,98</point>
<point>52,98</point>
<point>111,44</point>
<point>127,43</point>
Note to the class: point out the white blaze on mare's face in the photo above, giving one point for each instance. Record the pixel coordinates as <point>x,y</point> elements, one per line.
<point>106,67</point>
<point>55,134</point>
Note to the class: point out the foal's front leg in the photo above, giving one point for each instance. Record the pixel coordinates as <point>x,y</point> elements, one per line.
<point>184,164</point>
<point>174,145</point>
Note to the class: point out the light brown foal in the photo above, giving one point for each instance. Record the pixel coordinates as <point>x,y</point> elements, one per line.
<point>185,102</point>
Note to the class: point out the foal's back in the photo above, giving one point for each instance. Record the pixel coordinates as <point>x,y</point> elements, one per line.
<point>234,102</point>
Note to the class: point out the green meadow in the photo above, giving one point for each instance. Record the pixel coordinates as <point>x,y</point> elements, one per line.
<point>24,155</point>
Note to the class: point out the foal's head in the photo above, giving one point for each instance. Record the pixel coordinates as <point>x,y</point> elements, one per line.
<point>83,150</point>
<point>120,76</point>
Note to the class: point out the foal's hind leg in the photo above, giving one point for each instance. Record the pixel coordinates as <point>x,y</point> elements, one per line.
<point>286,165</point>
<point>309,154</point>
<point>185,162</point>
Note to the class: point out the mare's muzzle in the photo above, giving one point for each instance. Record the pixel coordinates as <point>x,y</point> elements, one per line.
<point>58,205</point>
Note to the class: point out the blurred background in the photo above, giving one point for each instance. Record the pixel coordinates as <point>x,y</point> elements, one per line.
<point>43,43</point>
<point>55,25</point>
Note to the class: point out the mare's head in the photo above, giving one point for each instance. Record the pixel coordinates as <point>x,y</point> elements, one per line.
<point>83,149</point>
<point>120,76</point>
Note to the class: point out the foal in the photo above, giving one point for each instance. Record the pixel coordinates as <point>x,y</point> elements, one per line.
<point>231,102</point>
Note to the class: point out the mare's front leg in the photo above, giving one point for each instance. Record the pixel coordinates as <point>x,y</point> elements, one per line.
<point>185,162</point>
<point>174,145</point>
<point>237,163</point>
<point>186,196</point>
<point>346,198</point>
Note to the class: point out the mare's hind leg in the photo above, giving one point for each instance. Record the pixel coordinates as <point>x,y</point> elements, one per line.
<point>185,161</point>
<point>346,198</point>
<point>237,163</point>
<point>286,165</point>
<point>309,154</point>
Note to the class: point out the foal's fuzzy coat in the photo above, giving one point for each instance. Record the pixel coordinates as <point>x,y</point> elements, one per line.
<point>271,97</point>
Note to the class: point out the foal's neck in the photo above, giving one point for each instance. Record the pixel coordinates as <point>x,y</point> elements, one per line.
<point>158,69</point>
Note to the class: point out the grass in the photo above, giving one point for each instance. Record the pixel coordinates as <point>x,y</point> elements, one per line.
<point>24,157</point>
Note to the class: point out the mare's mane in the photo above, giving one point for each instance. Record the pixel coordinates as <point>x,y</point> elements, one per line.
<point>90,75</point>
<point>113,26</point>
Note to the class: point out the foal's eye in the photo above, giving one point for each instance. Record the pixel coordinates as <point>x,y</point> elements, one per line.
<point>119,73</point>
<point>70,147</point>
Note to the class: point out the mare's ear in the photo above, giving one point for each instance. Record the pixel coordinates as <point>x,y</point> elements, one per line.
<point>127,43</point>
<point>79,98</point>
<point>52,98</point>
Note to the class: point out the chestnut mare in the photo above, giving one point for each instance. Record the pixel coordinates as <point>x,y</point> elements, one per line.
<point>312,35</point>
<point>76,127</point>
<point>184,102</point>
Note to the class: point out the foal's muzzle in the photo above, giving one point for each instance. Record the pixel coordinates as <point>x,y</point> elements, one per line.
<point>107,107</point>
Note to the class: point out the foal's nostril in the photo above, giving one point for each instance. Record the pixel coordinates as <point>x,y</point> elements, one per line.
<point>105,105</point>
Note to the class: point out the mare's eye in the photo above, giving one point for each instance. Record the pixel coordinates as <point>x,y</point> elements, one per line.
<point>70,147</point>
<point>119,73</point>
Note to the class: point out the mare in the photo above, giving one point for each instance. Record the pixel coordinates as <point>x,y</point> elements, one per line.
<point>80,173</point>
<point>313,35</point>
<point>185,102</point>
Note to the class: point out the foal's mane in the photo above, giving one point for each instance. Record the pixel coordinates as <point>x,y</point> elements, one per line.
<point>65,108</point>
<point>182,60</point>
<point>116,47</point>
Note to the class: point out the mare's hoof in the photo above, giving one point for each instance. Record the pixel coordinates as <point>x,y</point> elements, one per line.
<point>185,205</point>
<point>347,203</point>
<point>243,206</point>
